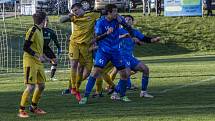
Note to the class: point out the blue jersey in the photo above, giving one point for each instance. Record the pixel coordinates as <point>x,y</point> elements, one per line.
<point>109,44</point>
<point>138,34</point>
<point>127,44</point>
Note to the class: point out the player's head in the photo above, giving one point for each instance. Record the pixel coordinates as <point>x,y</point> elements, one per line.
<point>46,21</point>
<point>129,19</point>
<point>112,11</point>
<point>77,9</point>
<point>39,18</point>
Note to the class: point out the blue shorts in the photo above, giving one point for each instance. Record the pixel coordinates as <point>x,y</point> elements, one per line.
<point>102,58</point>
<point>131,62</point>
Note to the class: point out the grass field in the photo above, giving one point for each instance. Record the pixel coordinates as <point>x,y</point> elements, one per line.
<point>183,86</point>
<point>182,77</point>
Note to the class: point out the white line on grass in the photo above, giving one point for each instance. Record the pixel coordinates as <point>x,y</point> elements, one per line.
<point>186,85</point>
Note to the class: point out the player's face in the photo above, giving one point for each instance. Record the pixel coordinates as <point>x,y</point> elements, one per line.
<point>42,24</point>
<point>129,21</point>
<point>78,11</point>
<point>113,14</point>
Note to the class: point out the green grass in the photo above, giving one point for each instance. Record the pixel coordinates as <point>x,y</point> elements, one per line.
<point>194,102</point>
<point>176,66</point>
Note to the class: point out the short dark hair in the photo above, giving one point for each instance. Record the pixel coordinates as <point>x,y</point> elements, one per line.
<point>79,5</point>
<point>39,17</point>
<point>110,7</point>
<point>129,17</point>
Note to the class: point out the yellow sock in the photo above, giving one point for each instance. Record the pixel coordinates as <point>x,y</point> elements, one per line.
<point>24,99</point>
<point>79,81</point>
<point>69,85</point>
<point>73,78</point>
<point>36,96</point>
<point>99,83</point>
<point>112,77</point>
<point>108,80</point>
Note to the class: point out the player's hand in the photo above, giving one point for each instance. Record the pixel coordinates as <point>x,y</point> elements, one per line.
<point>109,31</point>
<point>59,51</point>
<point>156,39</point>
<point>42,59</point>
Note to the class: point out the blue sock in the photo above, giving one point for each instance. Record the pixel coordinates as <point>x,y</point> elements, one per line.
<point>117,88</point>
<point>123,87</point>
<point>89,86</point>
<point>145,81</point>
<point>129,83</point>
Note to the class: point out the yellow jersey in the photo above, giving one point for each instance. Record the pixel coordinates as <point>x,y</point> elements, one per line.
<point>83,29</point>
<point>35,35</point>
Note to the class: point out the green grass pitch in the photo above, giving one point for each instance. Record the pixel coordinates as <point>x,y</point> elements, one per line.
<point>183,86</point>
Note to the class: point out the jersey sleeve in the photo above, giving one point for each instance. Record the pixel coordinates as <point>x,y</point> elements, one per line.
<point>54,38</point>
<point>138,35</point>
<point>29,39</point>
<point>30,35</point>
<point>98,28</point>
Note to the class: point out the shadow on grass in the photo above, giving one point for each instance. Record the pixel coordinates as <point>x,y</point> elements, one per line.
<point>186,59</point>
<point>159,49</point>
<point>66,107</point>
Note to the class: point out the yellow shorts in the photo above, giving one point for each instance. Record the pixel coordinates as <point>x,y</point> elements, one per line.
<point>34,74</point>
<point>80,52</point>
<point>107,68</point>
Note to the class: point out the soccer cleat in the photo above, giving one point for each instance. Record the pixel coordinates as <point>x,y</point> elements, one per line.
<point>53,79</point>
<point>73,91</point>
<point>83,101</point>
<point>78,96</point>
<point>37,110</point>
<point>145,94</point>
<point>95,95</point>
<point>23,114</point>
<point>125,99</point>
<point>115,96</point>
<point>66,91</point>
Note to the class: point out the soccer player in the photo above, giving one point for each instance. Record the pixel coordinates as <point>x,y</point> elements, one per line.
<point>106,30</point>
<point>80,41</point>
<point>49,35</point>
<point>34,74</point>
<point>127,45</point>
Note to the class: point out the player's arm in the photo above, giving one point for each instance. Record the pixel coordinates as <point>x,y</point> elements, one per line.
<point>127,27</point>
<point>102,36</point>
<point>67,18</point>
<point>146,39</point>
<point>99,34</point>
<point>54,38</point>
<point>29,42</point>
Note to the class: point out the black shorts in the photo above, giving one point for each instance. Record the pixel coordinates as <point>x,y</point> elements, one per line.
<point>49,53</point>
